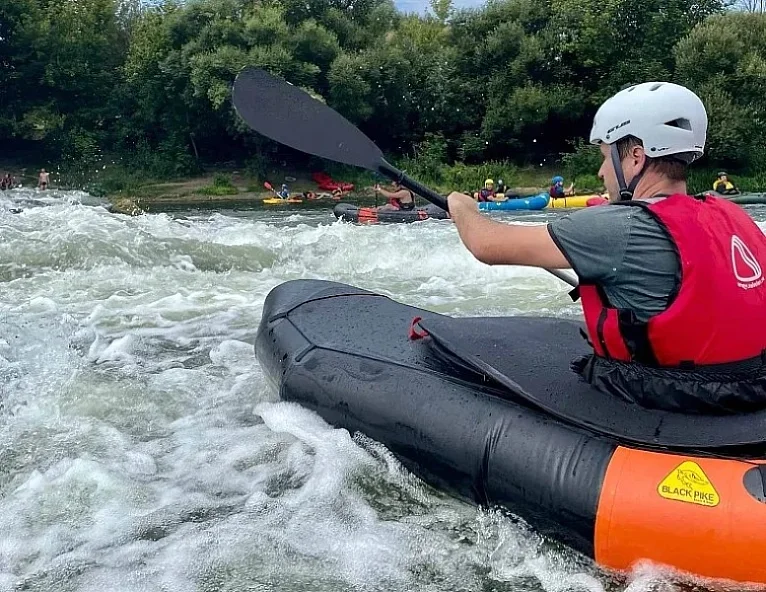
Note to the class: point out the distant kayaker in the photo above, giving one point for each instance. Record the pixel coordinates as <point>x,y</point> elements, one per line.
<point>724,186</point>
<point>673,288</point>
<point>284,192</point>
<point>43,179</point>
<point>486,193</point>
<point>557,188</point>
<point>398,199</point>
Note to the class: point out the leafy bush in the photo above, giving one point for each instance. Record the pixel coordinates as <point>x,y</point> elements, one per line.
<point>586,159</point>
<point>220,180</point>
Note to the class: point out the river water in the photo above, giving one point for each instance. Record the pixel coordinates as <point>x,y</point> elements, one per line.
<point>141,449</point>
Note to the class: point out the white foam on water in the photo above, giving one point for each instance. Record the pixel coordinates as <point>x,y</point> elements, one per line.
<point>141,448</point>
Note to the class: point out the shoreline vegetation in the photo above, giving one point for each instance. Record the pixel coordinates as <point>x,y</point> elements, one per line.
<point>135,192</point>
<point>131,100</point>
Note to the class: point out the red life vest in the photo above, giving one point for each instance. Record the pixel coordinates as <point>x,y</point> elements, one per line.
<point>556,191</point>
<point>485,194</point>
<point>718,313</point>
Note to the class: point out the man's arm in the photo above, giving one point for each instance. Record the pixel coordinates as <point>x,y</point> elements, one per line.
<point>495,243</point>
<point>399,194</point>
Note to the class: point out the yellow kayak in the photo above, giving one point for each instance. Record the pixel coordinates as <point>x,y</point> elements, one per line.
<point>576,201</point>
<point>270,201</point>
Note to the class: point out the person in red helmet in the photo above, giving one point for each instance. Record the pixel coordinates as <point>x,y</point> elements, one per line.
<point>672,286</point>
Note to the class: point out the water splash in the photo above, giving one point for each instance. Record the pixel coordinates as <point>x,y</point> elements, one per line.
<point>141,449</point>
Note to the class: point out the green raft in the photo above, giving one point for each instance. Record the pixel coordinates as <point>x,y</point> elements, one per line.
<point>743,199</point>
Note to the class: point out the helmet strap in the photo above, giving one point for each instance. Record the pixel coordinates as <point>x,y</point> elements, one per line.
<point>626,191</point>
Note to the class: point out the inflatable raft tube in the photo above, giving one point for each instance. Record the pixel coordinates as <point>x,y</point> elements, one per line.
<point>575,201</point>
<point>352,213</point>
<point>536,202</point>
<point>748,199</point>
<point>488,409</point>
<point>743,199</point>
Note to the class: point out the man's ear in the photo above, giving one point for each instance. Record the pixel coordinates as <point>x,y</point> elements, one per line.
<point>639,156</point>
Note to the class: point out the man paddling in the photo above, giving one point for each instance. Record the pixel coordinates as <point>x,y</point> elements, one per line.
<point>672,286</point>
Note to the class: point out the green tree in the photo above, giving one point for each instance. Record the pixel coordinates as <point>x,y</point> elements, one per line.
<point>724,60</point>
<point>514,79</point>
<point>442,9</point>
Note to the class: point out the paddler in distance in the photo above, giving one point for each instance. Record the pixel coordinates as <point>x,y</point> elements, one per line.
<point>398,199</point>
<point>672,286</point>
<point>557,189</point>
<point>487,192</point>
<point>724,186</point>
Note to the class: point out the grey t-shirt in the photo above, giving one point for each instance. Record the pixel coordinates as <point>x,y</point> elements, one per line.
<point>624,250</point>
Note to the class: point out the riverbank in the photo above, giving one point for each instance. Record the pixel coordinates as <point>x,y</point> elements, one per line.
<point>225,186</point>
<point>216,189</point>
<point>133,192</point>
<point>229,188</point>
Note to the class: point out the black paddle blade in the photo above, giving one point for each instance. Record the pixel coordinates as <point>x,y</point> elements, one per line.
<point>290,116</point>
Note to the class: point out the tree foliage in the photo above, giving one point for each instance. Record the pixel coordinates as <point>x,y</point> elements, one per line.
<point>515,79</point>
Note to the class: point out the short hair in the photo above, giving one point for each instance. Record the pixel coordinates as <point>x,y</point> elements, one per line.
<point>668,166</point>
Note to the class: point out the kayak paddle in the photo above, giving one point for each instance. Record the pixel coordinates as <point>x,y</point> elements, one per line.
<point>268,186</point>
<point>289,115</point>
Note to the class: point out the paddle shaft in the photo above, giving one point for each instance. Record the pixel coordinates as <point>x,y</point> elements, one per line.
<point>563,276</point>
<point>268,185</point>
<point>395,174</point>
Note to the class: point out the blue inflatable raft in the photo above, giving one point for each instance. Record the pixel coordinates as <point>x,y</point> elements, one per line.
<point>536,202</point>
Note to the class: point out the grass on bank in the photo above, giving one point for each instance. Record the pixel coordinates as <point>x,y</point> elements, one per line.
<point>222,185</point>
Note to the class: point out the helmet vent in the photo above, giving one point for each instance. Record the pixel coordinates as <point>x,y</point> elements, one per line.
<point>655,86</point>
<point>681,122</point>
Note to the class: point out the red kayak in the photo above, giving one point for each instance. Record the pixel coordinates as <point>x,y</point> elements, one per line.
<point>326,183</point>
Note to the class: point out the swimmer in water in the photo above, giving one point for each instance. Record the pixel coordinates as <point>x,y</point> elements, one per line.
<point>43,180</point>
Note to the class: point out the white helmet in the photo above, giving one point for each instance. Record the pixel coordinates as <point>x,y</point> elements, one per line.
<point>667,118</point>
